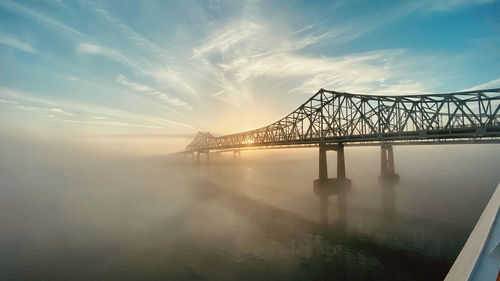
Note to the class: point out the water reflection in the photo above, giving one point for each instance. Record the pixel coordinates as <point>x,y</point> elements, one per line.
<point>367,245</point>
<point>332,188</point>
<point>233,219</point>
<point>388,189</point>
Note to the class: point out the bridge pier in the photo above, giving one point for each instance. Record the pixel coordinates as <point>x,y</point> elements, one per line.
<point>236,151</point>
<point>325,187</point>
<point>198,152</point>
<point>387,167</point>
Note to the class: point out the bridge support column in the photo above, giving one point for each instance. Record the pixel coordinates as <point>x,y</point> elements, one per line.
<point>325,187</point>
<point>387,166</point>
<point>340,162</point>
<point>383,161</point>
<point>323,167</point>
<point>390,161</point>
<point>236,151</point>
<point>207,152</point>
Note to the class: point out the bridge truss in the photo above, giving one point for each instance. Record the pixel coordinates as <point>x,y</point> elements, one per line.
<point>354,119</point>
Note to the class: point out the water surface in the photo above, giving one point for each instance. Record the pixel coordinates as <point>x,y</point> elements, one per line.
<point>77,215</point>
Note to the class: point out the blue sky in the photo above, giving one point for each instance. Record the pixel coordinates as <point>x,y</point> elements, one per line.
<point>73,68</point>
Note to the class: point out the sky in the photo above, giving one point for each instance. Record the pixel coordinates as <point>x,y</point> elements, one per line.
<point>171,68</point>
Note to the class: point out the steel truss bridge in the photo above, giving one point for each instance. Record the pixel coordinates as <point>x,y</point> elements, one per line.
<point>332,117</point>
<point>332,120</point>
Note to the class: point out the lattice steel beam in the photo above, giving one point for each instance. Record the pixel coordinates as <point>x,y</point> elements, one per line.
<point>339,117</point>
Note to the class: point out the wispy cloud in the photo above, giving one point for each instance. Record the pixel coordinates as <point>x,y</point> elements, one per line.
<point>242,67</point>
<point>225,39</point>
<point>41,18</point>
<point>82,111</point>
<point>488,85</point>
<point>172,101</point>
<point>94,49</point>
<point>121,79</point>
<point>111,123</point>
<point>50,110</point>
<point>175,81</point>
<point>152,49</point>
<point>236,60</point>
<point>446,5</point>
<point>21,96</point>
<point>15,43</point>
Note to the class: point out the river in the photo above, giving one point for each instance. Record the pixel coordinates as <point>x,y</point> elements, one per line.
<point>70,214</point>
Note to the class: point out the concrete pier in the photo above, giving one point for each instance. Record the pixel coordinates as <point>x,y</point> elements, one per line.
<point>236,151</point>
<point>387,166</point>
<point>323,167</point>
<point>325,187</point>
<point>201,152</point>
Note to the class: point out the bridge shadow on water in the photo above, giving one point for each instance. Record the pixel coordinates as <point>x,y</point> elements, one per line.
<point>358,244</point>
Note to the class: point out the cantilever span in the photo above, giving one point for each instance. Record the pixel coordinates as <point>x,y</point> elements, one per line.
<point>348,119</point>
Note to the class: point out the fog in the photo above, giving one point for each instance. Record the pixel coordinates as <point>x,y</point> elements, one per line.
<point>116,210</point>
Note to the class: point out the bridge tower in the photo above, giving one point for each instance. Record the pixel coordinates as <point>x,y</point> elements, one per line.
<point>324,186</point>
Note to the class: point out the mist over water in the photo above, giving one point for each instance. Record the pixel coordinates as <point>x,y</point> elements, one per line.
<point>74,212</point>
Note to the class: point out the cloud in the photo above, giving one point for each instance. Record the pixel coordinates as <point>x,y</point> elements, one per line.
<point>241,55</point>
<point>151,48</point>
<point>21,96</point>
<point>94,49</point>
<point>172,101</point>
<point>403,87</point>
<point>176,81</point>
<point>242,67</point>
<point>488,85</point>
<point>45,20</point>
<point>121,79</point>
<point>82,110</point>
<point>235,60</point>
<point>111,123</point>
<point>8,101</point>
<point>51,110</point>
<point>15,43</point>
<point>225,39</point>
<point>447,5</point>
